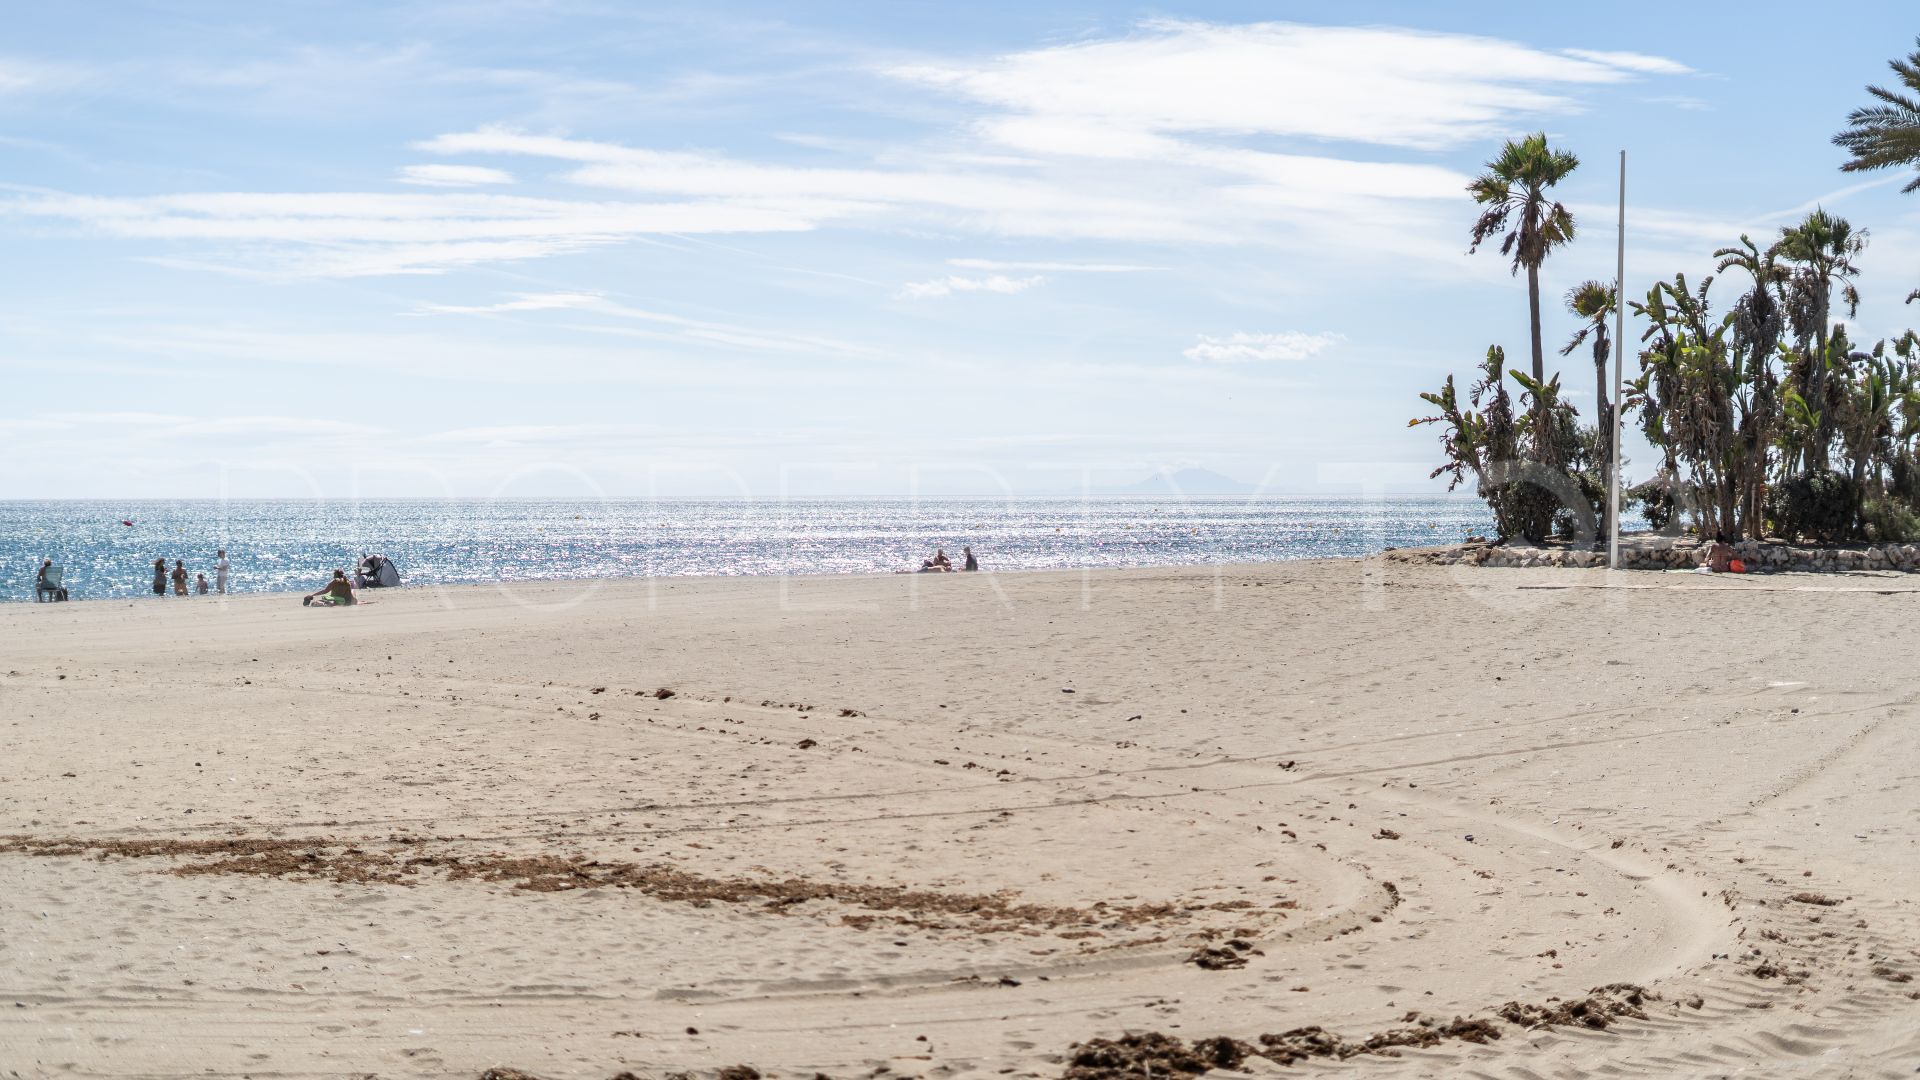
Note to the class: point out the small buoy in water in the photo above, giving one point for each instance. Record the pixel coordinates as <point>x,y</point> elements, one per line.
<point>127,523</point>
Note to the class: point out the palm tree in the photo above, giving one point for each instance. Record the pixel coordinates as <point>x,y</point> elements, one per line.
<point>1593,303</point>
<point>1823,247</point>
<point>1514,192</point>
<point>1758,325</point>
<point>1887,134</point>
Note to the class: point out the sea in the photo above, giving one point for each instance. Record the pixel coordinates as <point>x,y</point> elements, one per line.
<point>106,549</point>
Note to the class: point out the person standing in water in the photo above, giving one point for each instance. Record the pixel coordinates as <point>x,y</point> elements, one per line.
<point>220,571</point>
<point>179,577</point>
<point>159,577</point>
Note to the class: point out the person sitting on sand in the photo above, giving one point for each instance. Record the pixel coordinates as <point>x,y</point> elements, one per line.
<point>939,563</point>
<point>971,563</point>
<point>338,592</point>
<point>200,584</point>
<point>1720,555</point>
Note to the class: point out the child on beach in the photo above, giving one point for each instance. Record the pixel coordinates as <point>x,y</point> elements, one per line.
<point>200,583</point>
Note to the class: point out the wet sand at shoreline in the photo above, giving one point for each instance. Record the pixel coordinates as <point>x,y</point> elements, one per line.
<point>954,824</point>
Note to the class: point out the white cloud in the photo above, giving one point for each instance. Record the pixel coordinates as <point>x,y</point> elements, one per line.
<point>1380,85</point>
<point>453,175</point>
<point>1141,139</point>
<point>1680,101</point>
<point>524,302</point>
<point>1629,61</point>
<point>353,234</point>
<point>1240,348</point>
<point>1050,267</point>
<point>470,360</point>
<point>995,283</point>
<point>116,419</point>
<point>19,76</point>
<point>1202,195</point>
<point>671,327</point>
<point>298,427</point>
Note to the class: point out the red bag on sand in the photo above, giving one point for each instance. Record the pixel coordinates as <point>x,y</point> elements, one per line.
<point>1737,566</point>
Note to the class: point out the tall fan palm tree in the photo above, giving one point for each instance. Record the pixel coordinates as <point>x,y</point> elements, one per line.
<point>1888,134</point>
<point>1593,303</point>
<point>1513,191</point>
<point>1822,248</point>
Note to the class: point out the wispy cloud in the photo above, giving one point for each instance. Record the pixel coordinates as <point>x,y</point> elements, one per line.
<point>1679,101</point>
<point>13,78</point>
<point>525,302</point>
<point>1146,138</point>
<point>353,234</point>
<point>19,75</point>
<point>1632,61</point>
<point>453,175</point>
<point>1241,348</point>
<point>116,419</point>
<point>668,327</point>
<point>947,286</point>
<point>1380,85</point>
<point>1049,266</point>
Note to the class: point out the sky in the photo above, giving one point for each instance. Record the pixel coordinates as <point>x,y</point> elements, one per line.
<point>505,248</point>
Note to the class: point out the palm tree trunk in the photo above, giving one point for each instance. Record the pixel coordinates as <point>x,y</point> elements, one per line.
<point>1543,434</point>
<point>1817,392</point>
<point>1603,416</point>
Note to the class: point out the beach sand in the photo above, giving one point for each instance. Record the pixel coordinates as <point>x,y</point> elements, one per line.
<point>953,825</point>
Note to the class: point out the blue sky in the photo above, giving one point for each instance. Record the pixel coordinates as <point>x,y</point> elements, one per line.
<point>571,248</point>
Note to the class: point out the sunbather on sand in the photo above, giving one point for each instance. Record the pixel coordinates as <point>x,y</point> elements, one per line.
<point>339,592</point>
<point>1720,555</point>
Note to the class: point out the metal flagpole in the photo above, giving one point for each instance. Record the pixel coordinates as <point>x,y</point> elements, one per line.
<point>1619,353</point>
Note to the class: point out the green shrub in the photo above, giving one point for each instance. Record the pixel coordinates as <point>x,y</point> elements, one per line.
<point>1655,499</point>
<point>1904,472</point>
<point>1822,506</point>
<point>1890,521</point>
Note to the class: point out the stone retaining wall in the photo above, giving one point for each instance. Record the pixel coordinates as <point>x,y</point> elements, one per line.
<point>1661,554</point>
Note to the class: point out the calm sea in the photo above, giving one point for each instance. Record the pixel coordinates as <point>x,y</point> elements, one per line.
<point>287,545</point>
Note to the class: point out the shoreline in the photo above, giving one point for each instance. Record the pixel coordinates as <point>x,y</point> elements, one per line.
<point>1654,555</point>
<point>620,580</point>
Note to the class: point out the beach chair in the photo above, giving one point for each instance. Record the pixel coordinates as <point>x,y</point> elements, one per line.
<point>50,589</point>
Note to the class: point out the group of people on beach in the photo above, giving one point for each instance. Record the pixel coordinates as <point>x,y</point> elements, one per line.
<point>940,564</point>
<point>178,576</point>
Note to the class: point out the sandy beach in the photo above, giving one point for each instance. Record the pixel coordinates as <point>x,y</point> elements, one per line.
<point>954,825</point>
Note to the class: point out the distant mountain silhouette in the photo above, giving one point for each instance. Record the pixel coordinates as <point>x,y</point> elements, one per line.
<point>1183,482</point>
